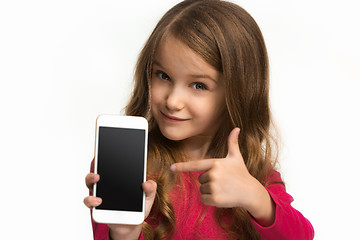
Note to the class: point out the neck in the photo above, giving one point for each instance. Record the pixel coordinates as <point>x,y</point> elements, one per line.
<point>196,148</point>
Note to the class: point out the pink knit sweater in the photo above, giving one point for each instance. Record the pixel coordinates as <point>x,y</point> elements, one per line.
<point>289,223</point>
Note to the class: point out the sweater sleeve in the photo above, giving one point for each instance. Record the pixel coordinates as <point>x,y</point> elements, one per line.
<point>100,231</point>
<point>289,223</point>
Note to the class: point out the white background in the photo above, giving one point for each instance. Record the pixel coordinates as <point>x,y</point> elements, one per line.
<point>64,62</point>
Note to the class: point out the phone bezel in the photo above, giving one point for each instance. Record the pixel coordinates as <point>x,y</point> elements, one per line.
<point>116,216</point>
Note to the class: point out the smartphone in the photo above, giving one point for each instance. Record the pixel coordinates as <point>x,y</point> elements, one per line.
<point>120,160</point>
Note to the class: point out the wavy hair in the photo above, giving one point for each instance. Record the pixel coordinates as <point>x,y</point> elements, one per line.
<point>229,39</point>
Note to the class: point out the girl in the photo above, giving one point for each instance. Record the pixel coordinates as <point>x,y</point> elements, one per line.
<point>202,81</point>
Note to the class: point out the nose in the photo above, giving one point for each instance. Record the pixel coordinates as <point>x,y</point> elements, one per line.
<point>175,100</point>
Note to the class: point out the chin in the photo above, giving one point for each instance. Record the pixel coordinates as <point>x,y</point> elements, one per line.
<point>174,136</point>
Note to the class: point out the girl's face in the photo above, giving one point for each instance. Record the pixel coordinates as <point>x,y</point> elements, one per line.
<point>187,94</point>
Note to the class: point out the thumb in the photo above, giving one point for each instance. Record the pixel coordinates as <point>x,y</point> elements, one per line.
<point>233,143</point>
<point>149,188</point>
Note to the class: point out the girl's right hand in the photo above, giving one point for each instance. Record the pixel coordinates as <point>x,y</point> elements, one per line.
<point>120,231</point>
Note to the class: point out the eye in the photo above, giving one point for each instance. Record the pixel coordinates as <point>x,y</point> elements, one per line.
<point>162,75</point>
<point>199,86</point>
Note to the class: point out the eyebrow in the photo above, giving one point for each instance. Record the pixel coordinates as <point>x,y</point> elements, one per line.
<point>155,62</point>
<point>203,76</point>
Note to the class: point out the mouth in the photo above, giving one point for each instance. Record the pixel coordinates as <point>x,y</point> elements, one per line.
<point>172,118</point>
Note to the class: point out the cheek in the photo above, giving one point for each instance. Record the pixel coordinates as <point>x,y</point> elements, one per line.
<point>212,108</point>
<point>212,113</point>
<point>156,96</point>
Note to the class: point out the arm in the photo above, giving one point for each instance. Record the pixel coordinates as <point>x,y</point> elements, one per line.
<point>103,232</point>
<point>227,183</point>
<point>289,223</point>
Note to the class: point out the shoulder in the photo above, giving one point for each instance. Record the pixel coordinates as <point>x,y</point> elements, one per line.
<point>274,177</point>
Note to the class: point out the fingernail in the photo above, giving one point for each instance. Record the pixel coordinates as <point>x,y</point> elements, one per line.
<point>173,167</point>
<point>98,200</point>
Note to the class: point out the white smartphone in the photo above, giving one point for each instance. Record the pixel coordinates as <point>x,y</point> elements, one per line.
<point>120,160</point>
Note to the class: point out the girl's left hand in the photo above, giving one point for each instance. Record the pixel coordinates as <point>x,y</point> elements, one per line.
<point>227,183</point>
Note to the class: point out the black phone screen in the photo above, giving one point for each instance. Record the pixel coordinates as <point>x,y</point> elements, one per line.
<point>121,168</point>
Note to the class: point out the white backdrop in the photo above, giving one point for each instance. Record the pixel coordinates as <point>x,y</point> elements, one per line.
<point>64,62</point>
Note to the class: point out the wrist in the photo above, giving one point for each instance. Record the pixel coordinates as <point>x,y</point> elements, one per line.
<point>127,232</point>
<point>263,208</point>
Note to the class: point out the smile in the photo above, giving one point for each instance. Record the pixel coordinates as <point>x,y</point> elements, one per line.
<point>172,118</point>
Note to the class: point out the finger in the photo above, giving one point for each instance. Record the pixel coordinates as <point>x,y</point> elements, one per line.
<point>205,188</point>
<point>207,199</point>
<point>90,179</point>
<point>233,142</point>
<point>204,177</point>
<point>92,201</point>
<point>199,165</point>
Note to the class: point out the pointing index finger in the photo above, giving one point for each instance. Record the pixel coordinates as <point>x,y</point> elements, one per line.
<point>199,165</point>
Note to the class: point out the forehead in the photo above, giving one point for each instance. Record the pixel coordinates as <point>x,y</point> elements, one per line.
<point>174,54</point>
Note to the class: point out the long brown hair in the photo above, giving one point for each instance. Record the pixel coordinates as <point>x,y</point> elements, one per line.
<point>229,39</point>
